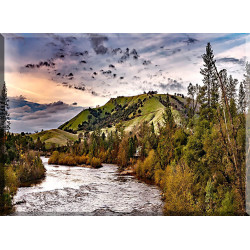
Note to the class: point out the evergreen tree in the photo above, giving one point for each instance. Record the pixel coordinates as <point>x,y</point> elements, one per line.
<point>103,136</point>
<point>39,144</point>
<point>231,87</point>
<point>247,85</point>
<point>165,149</point>
<point>209,92</point>
<point>168,116</point>
<point>208,72</point>
<point>223,87</point>
<point>231,94</point>
<point>4,126</point>
<point>131,147</point>
<point>4,106</point>
<point>214,93</point>
<point>242,99</point>
<point>153,137</point>
<point>193,91</point>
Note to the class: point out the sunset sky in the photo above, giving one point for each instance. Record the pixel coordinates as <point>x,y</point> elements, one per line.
<point>52,77</point>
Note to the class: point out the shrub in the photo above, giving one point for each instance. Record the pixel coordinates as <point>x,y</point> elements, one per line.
<point>69,160</point>
<point>82,159</point>
<point>30,167</point>
<point>138,168</point>
<point>11,180</point>
<point>148,165</point>
<point>123,157</point>
<point>179,199</point>
<point>54,158</point>
<point>103,156</point>
<point>87,160</point>
<point>96,162</point>
<point>74,160</point>
<point>61,160</point>
<point>229,204</point>
<point>159,177</point>
<point>146,169</point>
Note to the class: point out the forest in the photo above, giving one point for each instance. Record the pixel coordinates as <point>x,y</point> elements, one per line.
<point>199,164</point>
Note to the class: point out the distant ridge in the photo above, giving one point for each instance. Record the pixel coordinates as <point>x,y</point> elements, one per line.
<point>54,137</point>
<point>129,111</point>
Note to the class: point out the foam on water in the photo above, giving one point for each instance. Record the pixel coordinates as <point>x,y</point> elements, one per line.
<point>85,191</point>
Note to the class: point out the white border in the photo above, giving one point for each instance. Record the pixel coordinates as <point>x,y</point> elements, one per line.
<point>113,16</point>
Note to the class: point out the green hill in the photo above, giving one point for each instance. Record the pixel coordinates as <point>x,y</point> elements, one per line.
<point>54,137</point>
<point>130,111</point>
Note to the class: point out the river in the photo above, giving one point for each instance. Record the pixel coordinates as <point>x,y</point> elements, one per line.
<point>86,191</point>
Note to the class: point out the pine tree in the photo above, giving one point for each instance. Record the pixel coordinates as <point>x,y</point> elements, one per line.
<point>242,99</point>
<point>103,136</point>
<point>165,149</point>
<point>131,147</point>
<point>4,126</point>
<point>231,87</point>
<point>153,137</point>
<point>209,80</point>
<point>193,91</point>
<point>214,93</point>
<point>247,85</point>
<point>230,91</point>
<point>4,106</point>
<point>168,116</point>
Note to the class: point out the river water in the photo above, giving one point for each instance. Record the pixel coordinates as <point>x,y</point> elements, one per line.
<point>86,191</point>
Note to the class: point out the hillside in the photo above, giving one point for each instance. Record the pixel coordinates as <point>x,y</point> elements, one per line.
<point>54,137</point>
<point>130,111</point>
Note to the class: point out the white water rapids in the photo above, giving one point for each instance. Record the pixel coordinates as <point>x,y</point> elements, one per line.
<point>85,191</point>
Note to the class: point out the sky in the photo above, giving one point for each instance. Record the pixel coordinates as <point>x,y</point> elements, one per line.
<point>52,77</point>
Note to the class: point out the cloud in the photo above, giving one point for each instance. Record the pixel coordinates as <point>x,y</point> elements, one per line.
<point>97,43</point>
<point>51,108</point>
<point>127,54</point>
<point>76,53</point>
<point>146,62</point>
<point>29,117</point>
<point>190,40</point>
<point>171,86</point>
<point>25,108</point>
<point>94,93</point>
<point>48,63</point>
<point>231,60</point>
<point>65,41</point>
<point>116,51</point>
